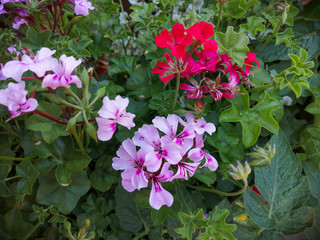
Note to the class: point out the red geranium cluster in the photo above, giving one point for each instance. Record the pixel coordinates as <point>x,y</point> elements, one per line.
<point>219,76</point>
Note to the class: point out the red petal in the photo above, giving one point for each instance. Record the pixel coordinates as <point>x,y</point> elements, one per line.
<point>164,39</point>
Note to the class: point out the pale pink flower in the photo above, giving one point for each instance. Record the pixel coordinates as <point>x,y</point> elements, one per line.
<point>15,98</point>
<point>158,195</point>
<point>197,154</point>
<point>112,112</point>
<point>2,77</point>
<point>183,168</point>
<point>81,7</point>
<point>199,124</point>
<point>63,74</point>
<point>132,161</point>
<point>38,64</point>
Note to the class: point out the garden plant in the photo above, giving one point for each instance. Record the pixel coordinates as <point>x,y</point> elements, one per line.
<point>160,119</point>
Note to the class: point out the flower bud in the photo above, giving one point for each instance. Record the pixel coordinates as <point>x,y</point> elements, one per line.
<point>240,172</point>
<point>86,223</point>
<point>262,156</point>
<point>199,107</point>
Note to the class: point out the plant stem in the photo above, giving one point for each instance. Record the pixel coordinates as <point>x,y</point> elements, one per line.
<point>177,91</point>
<point>33,229</point>
<point>49,116</point>
<point>244,187</point>
<point>76,137</point>
<point>12,158</point>
<point>11,178</point>
<point>183,200</point>
<point>219,16</point>
<point>261,88</point>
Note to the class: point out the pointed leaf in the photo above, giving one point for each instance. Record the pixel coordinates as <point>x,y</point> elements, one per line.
<point>26,170</point>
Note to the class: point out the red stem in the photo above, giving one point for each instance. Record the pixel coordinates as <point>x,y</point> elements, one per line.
<point>46,115</point>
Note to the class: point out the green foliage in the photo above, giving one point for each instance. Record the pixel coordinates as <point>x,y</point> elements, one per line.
<point>64,197</point>
<point>285,190</point>
<point>252,119</point>
<point>218,228</point>
<point>29,175</point>
<point>233,43</point>
<point>191,222</point>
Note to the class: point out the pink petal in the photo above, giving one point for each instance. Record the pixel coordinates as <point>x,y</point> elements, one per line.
<point>127,179</point>
<point>106,129</point>
<point>153,161</point>
<point>14,70</point>
<point>183,169</point>
<point>210,163</point>
<point>171,152</point>
<point>139,180</point>
<point>159,196</point>
<point>126,120</point>
<point>196,154</point>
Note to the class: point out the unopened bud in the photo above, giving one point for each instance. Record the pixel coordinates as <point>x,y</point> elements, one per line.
<point>262,156</point>
<point>67,225</point>
<point>199,107</point>
<point>86,223</point>
<point>240,172</point>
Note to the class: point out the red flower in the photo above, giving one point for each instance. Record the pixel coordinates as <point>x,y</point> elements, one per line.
<point>248,61</point>
<point>176,41</point>
<point>201,31</point>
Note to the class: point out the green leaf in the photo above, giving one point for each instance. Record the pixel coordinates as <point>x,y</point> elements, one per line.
<point>141,198</point>
<point>68,159</point>
<point>314,107</point>
<point>227,141</point>
<point>311,145</point>
<point>285,190</point>
<point>191,223</point>
<point>104,176</point>
<point>122,64</point>
<point>4,171</point>
<point>284,37</point>
<point>313,175</point>
<point>300,65</point>
<point>254,25</point>
<point>78,48</point>
<point>159,216</point>
<point>65,197</point>
<point>36,40</point>
<point>128,213</point>
<point>293,11</point>
<point>237,8</point>
<point>206,176</point>
<point>12,226</point>
<point>235,44</point>
<point>50,130</point>
<point>252,119</point>
<point>217,228</point>
<point>26,170</point>
<point>162,102</point>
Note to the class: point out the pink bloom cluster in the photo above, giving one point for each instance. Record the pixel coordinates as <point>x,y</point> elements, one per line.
<point>41,63</point>
<point>209,63</point>
<point>111,113</point>
<point>15,98</point>
<point>169,149</point>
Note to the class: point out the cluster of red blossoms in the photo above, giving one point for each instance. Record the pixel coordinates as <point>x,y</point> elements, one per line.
<point>209,64</point>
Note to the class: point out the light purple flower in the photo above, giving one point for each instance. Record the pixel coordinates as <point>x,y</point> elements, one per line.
<point>158,195</point>
<point>112,112</point>
<point>199,124</point>
<point>81,7</point>
<point>15,98</point>
<point>197,154</point>
<point>63,74</point>
<point>38,64</point>
<point>183,168</point>
<point>2,11</point>
<point>2,77</point>
<point>148,136</point>
<point>132,161</point>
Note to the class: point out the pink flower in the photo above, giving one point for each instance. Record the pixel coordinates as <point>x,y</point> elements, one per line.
<point>148,136</point>
<point>2,77</point>
<point>158,195</point>
<point>112,112</point>
<point>197,155</point>
<point>199,124</point>
<point>176,41</point>
<point>134,176</point>
<point>62,76</point>
<point>38,64</point>
<point>183,168</point>
<point>81,7</point>
<point>15,98</point>
<point>195,91</point>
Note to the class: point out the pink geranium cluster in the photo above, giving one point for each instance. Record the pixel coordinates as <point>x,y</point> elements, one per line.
<point>169,149</point>
<point>49,70</point>
<point>209,62</point>
<point>62,71</point>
